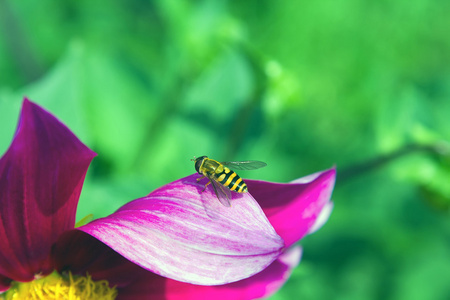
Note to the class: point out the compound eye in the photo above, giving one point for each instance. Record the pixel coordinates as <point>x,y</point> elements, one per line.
<point>198,163</point>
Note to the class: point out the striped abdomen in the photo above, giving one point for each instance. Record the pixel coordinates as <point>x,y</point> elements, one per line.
<point>231,180</point>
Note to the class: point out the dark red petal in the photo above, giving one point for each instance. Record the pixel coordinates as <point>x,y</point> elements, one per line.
<point>293,208</point>
<point>41,176</point>
<point>4,283</point>
<point>81,253</point>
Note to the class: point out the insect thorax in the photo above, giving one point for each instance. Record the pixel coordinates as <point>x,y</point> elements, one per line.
<point>211,166</point>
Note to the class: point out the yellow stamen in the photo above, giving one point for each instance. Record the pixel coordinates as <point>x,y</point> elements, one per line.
<point>55,286</point>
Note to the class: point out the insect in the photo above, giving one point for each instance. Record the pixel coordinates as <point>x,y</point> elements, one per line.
<point>222,179</point>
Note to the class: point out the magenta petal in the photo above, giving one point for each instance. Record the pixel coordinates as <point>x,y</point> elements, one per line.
<point>293,208</point>
<point>322,218</point>
<point>41,176</point>
<point>183,234</point>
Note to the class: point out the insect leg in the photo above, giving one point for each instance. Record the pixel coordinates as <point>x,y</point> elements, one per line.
<point>206,186</point>
<point>200,178</point>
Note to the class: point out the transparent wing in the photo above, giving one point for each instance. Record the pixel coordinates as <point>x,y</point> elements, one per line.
<point>245,165</point>
<point>222,193</point>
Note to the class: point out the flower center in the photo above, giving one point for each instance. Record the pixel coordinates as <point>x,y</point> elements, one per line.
<point>56,286</point>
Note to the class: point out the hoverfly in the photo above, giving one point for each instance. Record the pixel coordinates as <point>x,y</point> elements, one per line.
<point>222,179</point>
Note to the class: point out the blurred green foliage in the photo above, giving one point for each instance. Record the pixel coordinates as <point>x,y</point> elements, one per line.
<point>301,85</point>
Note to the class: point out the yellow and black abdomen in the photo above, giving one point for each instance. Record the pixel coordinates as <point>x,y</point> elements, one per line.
<point>231,180</point>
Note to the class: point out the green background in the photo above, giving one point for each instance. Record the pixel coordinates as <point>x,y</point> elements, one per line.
<point>301,85</point>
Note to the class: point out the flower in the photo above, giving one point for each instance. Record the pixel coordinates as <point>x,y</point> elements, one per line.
<point>174,243</point>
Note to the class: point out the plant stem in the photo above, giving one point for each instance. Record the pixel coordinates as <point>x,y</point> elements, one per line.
<point>358,169</point>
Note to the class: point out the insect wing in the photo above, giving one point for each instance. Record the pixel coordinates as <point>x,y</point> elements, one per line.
<point>245,165</point>
<point>223,194</point>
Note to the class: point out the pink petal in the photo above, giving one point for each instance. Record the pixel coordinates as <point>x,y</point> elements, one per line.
<point>41,176</point>
<point>293,208</point>
<point>80,253</point>
<point>181,233</point>
<point>263,284</point>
